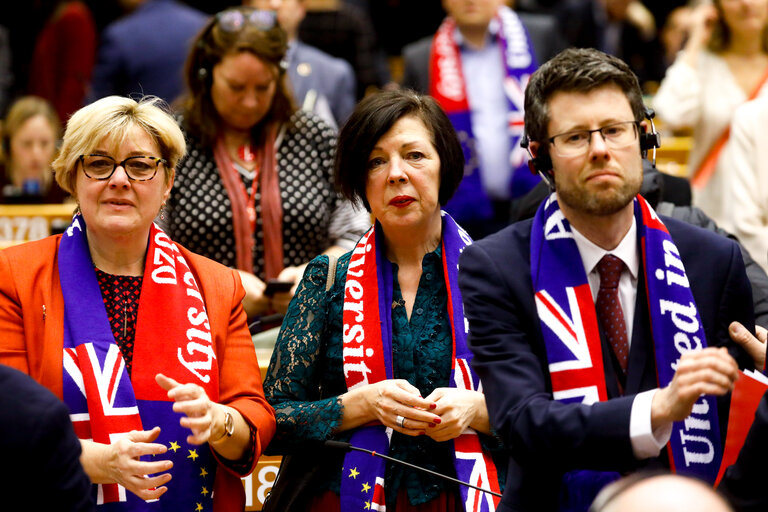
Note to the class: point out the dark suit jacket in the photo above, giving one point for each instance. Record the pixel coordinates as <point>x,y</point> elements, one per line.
<point>41,455</point>
<point>324,73</point>
<point>548,438</point>
<point>144,52</point>
<point>542,30</point>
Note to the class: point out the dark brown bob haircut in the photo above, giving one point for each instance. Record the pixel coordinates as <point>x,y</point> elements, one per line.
<point>259,35</point>
<point>375,116</point>
<point>576,70</point>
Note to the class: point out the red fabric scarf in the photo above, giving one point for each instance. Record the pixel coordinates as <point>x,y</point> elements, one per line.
<point>271,206</point>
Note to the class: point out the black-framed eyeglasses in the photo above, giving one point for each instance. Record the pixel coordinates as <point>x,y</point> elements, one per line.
<point>575,143</point>
<point>233,20</point>
<point>137,168</point>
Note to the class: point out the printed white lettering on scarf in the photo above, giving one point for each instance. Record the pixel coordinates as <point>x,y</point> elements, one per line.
<point>164,273</point>
<point>354,352</point>
<point>450,84</point>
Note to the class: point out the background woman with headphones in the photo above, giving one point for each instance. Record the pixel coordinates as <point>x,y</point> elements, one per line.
<point>256,191</point>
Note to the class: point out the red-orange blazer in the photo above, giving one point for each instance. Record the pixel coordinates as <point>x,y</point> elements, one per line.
<point>32,329</point>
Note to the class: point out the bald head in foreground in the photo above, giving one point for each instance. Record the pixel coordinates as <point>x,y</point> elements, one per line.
<point>660,493</point>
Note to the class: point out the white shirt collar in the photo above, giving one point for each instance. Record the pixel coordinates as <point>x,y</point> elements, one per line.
<point>626,251</point>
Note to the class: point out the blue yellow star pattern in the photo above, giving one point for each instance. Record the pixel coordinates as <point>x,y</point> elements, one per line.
<point>174,446</point>
<point>192,455</point>
<point>366,487</point>
<point>353,473</point>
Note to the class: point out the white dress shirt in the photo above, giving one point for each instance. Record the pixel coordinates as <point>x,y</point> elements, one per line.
<point>484,73</point>
<point>646,442</point>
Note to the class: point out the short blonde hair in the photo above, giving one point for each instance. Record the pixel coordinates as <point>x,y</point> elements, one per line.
<point>114,116</point>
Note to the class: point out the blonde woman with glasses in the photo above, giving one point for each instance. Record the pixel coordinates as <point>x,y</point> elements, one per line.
<point>145,341</point>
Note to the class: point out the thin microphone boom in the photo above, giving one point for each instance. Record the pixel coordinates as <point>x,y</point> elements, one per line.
<point>347,446</point>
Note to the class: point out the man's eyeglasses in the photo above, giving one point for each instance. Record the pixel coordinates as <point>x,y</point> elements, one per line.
<point>233,20</point>
<point>137,168</point>
<point>616,136</point>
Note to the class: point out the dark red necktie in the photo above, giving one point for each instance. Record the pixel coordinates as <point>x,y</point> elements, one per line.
<point>609,312</point>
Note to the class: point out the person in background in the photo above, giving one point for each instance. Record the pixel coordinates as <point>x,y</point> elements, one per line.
<point>402,363</point>
<point>65,51</point>
<point>256,190</point>
<point>745,192</point>
<point>463,67</point>
<point>345,30</point>
<point>37,436</point>
<point>143,53</point>
<point>675,33</point>
<point>321,83</point>
<point>145,341</point>
<point>28,137</point>
<point>723,64</point>
<point>624,28</point>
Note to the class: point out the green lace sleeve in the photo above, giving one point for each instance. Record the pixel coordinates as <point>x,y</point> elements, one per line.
<point>306,407</point>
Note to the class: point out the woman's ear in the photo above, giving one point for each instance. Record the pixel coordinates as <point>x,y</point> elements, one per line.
<point>169,183</point>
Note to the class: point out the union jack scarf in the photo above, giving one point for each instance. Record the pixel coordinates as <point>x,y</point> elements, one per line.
<point>367,335</point>
<point>447,86</point>
<point>572,340</point>
<point>173,336</point>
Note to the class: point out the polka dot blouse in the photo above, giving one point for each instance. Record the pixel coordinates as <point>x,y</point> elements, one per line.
<point>315,217</point>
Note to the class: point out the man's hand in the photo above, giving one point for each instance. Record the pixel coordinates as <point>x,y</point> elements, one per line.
<point>711,371</point>
<point>755,347</point>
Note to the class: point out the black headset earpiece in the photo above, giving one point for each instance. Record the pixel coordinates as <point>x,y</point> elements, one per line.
<point>652,140</point>
<point>541,164</point>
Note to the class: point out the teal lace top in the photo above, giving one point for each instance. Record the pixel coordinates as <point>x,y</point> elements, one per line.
<point>305,378</point>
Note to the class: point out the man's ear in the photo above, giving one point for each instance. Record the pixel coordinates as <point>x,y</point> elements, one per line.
<point>533,147</point>
<point>540,163</point>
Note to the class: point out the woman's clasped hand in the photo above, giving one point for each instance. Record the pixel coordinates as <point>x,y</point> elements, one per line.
<point>125,461</point>
<point>120,462</point>
<point>443,415</point>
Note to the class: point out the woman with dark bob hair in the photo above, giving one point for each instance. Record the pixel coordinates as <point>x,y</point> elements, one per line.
<point>256,191</point>
<point>373,348</point>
